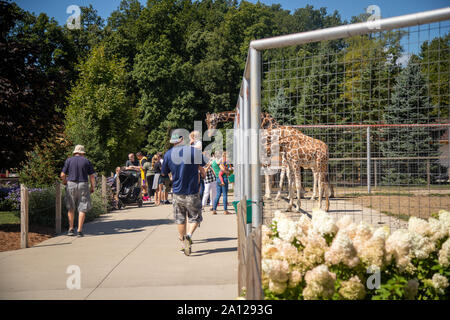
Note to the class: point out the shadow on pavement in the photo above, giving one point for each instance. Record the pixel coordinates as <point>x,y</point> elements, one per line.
<point>210,251</point>
<point>213,239</point>
<point>122,226</point>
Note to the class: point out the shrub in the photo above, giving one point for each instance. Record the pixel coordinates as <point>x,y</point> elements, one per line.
<point>327,259</point>
<point>41,208</point>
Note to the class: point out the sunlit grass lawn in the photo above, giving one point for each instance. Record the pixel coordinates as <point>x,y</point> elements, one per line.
<point>8,217</point>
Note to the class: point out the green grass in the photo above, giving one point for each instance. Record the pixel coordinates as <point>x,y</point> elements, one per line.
<point>8,217</point>
<point>400,216</point>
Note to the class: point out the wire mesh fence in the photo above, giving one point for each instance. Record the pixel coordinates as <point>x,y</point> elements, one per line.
<point>380,102</point>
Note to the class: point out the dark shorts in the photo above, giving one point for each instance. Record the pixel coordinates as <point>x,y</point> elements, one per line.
<point>78,196</point>
<point>189,206</point>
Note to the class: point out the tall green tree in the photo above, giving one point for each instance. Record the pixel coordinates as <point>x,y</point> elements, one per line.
<point>33,82</point>
<point>435,63</point>
<point>99,115</point>
<point>409,104</point>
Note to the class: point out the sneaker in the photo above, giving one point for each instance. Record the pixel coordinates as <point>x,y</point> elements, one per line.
<point>71,233</point>
<point>167,202</point>
<point>80,234</point>
<point>187,245</point>
<point>182,245</point>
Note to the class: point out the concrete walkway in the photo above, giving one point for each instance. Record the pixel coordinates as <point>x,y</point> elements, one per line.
<point>128,254</point>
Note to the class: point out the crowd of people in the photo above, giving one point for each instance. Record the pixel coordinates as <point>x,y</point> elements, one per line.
<point>196,182</point>
<point>156,187</point>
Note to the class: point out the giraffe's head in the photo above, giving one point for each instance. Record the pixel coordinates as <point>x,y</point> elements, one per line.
<point>212,120</point>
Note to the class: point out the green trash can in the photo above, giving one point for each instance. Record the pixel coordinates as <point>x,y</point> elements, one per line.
<point>249,209</point>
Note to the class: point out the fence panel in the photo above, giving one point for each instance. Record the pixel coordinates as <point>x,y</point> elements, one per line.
<point>380,103</point>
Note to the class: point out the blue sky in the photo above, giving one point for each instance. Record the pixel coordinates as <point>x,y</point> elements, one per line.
<point>347,8</point>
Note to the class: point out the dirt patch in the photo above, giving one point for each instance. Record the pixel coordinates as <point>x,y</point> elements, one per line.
<point>405,206</point>
<point>10,236</point>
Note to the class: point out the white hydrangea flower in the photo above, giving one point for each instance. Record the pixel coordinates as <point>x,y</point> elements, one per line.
<point>344,222</point>
<point>444,218</point>
<point>372,252</point>
<point>319,283</point>
<point>269,251</point>
<point>294,278</point>
<point>276,270</point>
<point>314,250</point>
<point>304,224</point>
<point>342,251</point>
<point>286,251</point>
<point>278,215</point>
<point>277,287</point>
<point>399,245</point>
<point>421,247</point>
<point>382,233</point>
<point>419,226</point>
<point>444,254</point>
<point>323,223</point>
<point>288,230</point>
<point>363,233</point>
<point>437,229</point>
<point>352,289</point>
<point>440,283</point>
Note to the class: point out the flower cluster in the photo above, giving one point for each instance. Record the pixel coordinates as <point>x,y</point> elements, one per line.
<point>325,258</point>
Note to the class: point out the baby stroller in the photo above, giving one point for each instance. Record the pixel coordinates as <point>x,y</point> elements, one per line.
<point>130,188</point>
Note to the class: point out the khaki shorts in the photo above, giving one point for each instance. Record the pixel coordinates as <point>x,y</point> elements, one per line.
<point>189,206</point>
<point>78,196</point>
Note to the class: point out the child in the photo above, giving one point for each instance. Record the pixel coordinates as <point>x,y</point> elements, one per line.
<point>225,168</point>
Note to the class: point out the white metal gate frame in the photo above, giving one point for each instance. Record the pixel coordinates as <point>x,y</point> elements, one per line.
<point>247,123</point>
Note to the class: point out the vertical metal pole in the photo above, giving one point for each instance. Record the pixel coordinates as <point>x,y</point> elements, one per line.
<point>245,117</point>
<point>368,159</point>
<point>255,100</point>
<point>241,149</point>
<point>375,173</point>
<point>236,191</point>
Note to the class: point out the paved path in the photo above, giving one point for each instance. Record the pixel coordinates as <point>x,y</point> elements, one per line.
<point>128,254</point>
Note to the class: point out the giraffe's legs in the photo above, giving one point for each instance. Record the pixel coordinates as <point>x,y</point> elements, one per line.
<point>324,186</point>
<point>298,184</point>
<point>321,183</point>
<point>284,171</point>
<point>268,186</point>
<point>315,182</point>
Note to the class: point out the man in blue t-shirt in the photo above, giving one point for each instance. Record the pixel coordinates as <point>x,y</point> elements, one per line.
<point>75,174</point>
<point>185,163</point>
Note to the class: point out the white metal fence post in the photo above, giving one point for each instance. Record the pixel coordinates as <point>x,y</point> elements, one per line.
<point>255,94</point>
<point>368,159</point>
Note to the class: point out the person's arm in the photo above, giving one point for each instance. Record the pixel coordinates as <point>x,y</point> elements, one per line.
<point>91,173</point>
<point>63,178</point>
<point>64,173</point>
<point>164,168</point>
<point>202,172</point>
<point>92,178</point>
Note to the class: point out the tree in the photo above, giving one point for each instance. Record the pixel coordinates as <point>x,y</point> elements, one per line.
<point>435,57</point>
<point>278,107</point>
<point>46,160</point>
<point>99,114</point>
<point>32,83</point>
<point>409,104</point>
